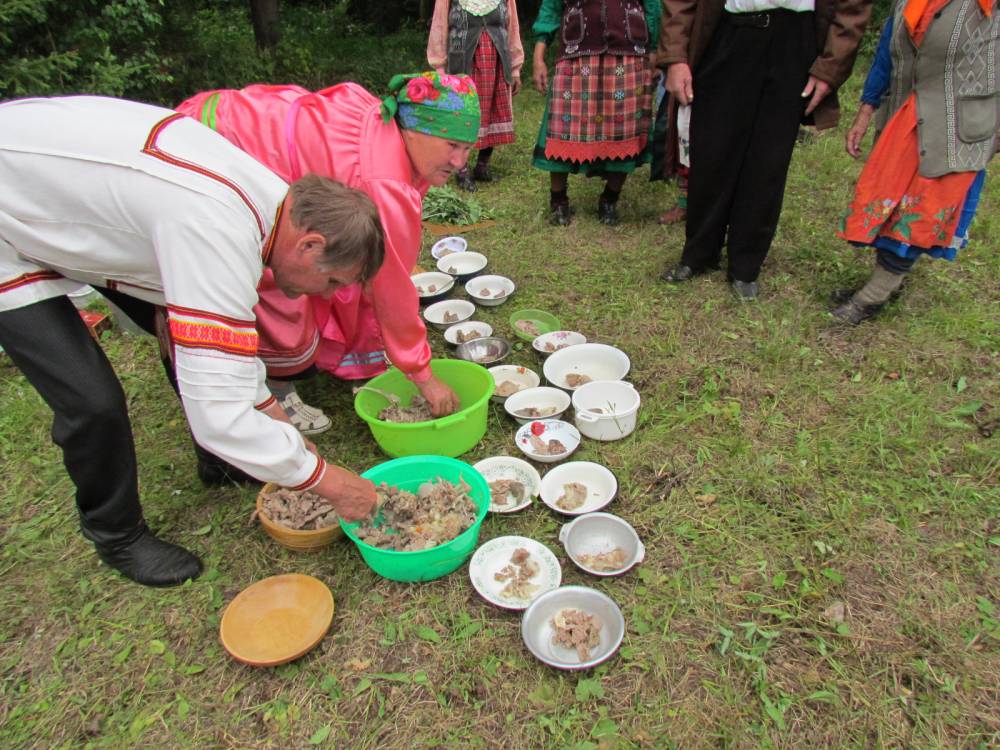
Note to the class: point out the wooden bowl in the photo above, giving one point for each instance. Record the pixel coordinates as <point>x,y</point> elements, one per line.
<point>300,540</point>
<point>276,620</point>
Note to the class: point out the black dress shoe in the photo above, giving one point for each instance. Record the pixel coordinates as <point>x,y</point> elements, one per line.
<point>214,472</point>
<point>148,560</point>
<point>561,215</point>
<point>465,181</point>
<point>607,212</point>
<point>746,291</point>
<point>677,274</point>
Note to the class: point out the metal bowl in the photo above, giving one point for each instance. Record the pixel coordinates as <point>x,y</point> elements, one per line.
<point>536,626</point>
<point>597,361</point>
<point>484,290</point>
<point>451,333</point>
<point>508,467</point>
<point>486,351</point>
<point>600,481</point>
<point>449,245</point>
<point>522,377</point>
<point>435,314</point>
<point>542,397</point>
<point>550,429</point>
<point>595,533</point>
<point>443,284</point>
<point>463,266</point>
<point>557,340</point>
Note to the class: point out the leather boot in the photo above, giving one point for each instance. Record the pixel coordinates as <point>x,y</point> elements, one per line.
<point>144,558</point>
<point>214,472</point>
<point>607,212</point>
<point>464,179</point>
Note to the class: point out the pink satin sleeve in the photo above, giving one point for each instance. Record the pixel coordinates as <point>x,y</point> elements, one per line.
<point>393,294</point>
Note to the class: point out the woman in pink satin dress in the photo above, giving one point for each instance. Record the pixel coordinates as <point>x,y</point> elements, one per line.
<point>346,133</point>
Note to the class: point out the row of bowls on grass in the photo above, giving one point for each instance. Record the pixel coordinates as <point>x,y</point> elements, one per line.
<point>489,290</point>
<point>588,534</point>
<point>454,318</point>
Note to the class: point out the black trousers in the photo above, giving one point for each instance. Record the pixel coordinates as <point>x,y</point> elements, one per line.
<point>744,120</point>
<point>51,345</point>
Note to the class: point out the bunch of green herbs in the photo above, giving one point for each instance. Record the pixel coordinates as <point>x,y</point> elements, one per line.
<point>442,205</point>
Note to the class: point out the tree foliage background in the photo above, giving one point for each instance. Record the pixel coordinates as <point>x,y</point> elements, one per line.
<point>162,52</point>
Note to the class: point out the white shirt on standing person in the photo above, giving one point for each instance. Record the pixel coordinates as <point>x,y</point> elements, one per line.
<point>759,6</point>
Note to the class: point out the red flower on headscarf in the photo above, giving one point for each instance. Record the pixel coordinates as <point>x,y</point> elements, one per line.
<point>419,88</point>
<point>458,84</point>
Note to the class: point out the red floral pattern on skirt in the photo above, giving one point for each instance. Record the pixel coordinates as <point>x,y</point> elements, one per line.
<point>892,199</point>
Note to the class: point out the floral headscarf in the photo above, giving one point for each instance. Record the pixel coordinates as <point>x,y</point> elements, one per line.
<point>446,106</point>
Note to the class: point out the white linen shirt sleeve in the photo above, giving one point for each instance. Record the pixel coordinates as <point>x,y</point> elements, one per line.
<point>210,276</point>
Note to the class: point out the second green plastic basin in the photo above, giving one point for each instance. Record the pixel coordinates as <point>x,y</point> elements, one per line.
<point>448,436</point>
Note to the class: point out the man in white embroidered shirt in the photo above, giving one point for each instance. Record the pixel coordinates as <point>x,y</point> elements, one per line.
<point>167,218</point>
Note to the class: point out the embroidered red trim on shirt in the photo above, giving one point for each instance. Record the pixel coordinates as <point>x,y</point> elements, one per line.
<point>266,404</point>
<point>195,313</point>
<point>152,149</point>
<point>265,254</point>
<point>313,478</point>
<point>213,336</point>
<point>28,278</point>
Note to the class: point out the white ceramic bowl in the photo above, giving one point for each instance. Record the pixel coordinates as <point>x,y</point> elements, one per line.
<point>443,284</point>
<point>618,403</point>
<point>536,626</point>
<point>435,314</point>
<point>493,284</point>
<point>598,361</point>
<point>521,376</point>
<point>552,429</point>
<point>448,246</point>
<point>557,340</point>
<point>540,397</point>
<point>495,555</point>
<point>598,533</point>
<point>464,266</point>
<point>451,333</point>
<point>508,467</point>
<point>602,486</point>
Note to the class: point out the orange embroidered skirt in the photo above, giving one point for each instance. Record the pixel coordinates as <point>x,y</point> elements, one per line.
<point>897,209</point>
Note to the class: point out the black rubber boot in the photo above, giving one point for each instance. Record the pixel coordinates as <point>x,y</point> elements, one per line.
<point>214,472</point>
<point>560,214</point>
<point>464,179</point>
<point>607,212</point>
<point>148,560</point>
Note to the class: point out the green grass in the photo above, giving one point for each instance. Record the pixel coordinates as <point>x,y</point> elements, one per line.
<point>784,471</point>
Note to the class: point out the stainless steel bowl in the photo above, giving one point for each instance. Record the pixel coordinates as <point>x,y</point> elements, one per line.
<point>486,351</point>
<point>536,626</point>
<point>594,533</point>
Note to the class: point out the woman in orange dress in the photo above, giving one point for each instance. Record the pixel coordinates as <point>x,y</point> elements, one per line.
<point>933,87</point>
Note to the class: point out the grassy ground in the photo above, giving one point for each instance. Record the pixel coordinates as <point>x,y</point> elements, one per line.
<point>820,508</point>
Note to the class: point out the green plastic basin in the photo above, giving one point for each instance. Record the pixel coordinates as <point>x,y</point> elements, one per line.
<point>448,436</point>
<point>426,565</point>
<point>546,322</point>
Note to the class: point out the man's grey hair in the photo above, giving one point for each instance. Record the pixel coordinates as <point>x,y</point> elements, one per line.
<point>347,219</point>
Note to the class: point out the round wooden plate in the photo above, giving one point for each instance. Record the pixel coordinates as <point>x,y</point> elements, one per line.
<point>276,620</point>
